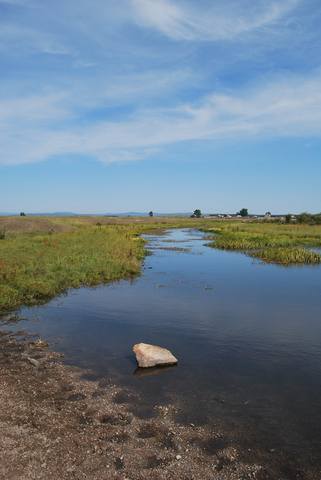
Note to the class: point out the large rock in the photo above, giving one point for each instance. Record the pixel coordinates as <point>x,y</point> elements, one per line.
<point>151,355</point>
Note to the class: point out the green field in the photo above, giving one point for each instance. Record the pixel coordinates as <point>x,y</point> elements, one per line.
<point>41,257</point>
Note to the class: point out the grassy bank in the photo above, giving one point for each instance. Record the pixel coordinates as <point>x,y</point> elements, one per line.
<point>275,243</point>
<point>36,267</point>
<point>288,256</point>
<point>43,257</point>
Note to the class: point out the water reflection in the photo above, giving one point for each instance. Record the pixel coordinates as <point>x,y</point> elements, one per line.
<point>153,371</point>
<point>248,337</point>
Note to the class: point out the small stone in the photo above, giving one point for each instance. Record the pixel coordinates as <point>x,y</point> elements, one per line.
<point>152,355</point>
<point>33,362</point>
<point>178,457</point>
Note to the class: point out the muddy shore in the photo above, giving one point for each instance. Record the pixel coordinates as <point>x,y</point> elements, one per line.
<point>56,424</point>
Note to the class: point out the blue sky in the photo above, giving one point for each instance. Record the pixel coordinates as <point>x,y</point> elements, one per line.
<point>169,105</point>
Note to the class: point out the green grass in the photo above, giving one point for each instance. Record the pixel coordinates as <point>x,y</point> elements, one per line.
<point>283,244</point>
<point>34,268</point>
<point>43,257</point>
<point>288,256</point>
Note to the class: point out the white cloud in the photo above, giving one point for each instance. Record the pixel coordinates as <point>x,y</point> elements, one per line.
<point>31,109</point>
<point>138,88</point>
<point>185,21</point>
<point>38,130</point>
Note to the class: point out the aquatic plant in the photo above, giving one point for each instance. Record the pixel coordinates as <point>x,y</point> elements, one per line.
<point>288,256</point>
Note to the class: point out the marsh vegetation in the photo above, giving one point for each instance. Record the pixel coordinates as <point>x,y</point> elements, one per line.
<point>41,257</point>
<point>270,242</point>
<point>37,266</point>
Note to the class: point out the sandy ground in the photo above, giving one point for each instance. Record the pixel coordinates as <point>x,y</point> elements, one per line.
<point>56,425</point>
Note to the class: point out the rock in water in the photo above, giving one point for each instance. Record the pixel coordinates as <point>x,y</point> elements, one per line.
<point>151,355</point>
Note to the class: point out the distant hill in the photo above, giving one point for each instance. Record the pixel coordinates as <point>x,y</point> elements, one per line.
<point>108,214</point>
<point>42,214</point>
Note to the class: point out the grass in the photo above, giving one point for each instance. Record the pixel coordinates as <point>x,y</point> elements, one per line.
<point>43,257</point>
<point>288,256</point>
<point>34,268</point>
<point>274,243</point>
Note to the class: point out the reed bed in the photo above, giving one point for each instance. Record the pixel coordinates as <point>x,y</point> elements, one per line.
<point>288,256</point>
<point>274,243</point>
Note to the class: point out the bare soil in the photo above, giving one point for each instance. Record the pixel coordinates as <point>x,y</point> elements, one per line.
<point>57,425</point>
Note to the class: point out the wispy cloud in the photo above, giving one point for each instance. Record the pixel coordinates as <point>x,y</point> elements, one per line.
<point>32,109</point>
<point>222,21</point>
<point>284,107</point>
<point>142,88</point>
<point>124,94</point>
<point>22,39</point>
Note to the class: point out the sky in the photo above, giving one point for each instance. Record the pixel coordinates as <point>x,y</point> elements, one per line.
<point>163,105</point>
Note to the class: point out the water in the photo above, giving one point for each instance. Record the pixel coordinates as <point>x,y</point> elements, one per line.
<point>247,336</point>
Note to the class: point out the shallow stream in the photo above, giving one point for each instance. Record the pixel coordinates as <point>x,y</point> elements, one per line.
<point>247,336</point>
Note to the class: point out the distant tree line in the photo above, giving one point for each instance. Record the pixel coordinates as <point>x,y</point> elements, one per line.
<point>304,218</point>
<point>198,213</point>
<point>309,218</point>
